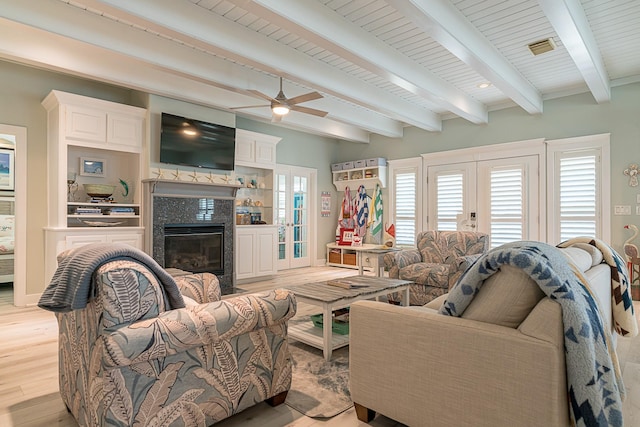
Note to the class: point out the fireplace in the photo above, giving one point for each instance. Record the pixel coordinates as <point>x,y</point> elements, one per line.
<point>194,247</point>
<point>192,227</point>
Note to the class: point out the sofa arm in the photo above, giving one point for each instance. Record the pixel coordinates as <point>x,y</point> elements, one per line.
<point>178,330</point>
<point>413,364</point>
<point>394,261</point>
<point>201,287</point>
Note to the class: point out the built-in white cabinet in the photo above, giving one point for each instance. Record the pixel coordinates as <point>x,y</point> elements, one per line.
<point>255,254</point>
<point>81,130</point>
<point>255,149</point>
<point>256,234</point>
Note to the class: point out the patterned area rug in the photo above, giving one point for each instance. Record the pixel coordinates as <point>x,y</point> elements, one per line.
<point>319,389</point>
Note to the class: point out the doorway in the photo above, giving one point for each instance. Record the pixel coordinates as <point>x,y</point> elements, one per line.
<point>294,198</point>
<point>15,138</point>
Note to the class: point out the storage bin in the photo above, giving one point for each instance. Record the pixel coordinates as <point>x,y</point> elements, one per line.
<point>334,257</point>
<point>347,165</point>
<point>349,259</point>
<point>336,167</point>
<point>360,164</point>
<point>338,327</point>
<point>378,161</point>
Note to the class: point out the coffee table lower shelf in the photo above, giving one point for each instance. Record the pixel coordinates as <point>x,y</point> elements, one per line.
<point>308,333</point>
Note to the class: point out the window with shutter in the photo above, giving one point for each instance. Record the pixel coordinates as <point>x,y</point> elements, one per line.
<point>449,200</point>
<point>405,200</point>
<point>578,205</point>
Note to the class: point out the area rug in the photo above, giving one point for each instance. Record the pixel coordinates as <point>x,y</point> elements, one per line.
<point>319,389</point>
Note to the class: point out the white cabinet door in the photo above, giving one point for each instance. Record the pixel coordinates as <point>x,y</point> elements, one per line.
<point>124,131</point>
<point>245,253</point>
<point>265,256</point>
<point>265,154</point>
<point>245,150</point>
<point>134,240</point>
<point>85,124</point>
<point>77,241</point>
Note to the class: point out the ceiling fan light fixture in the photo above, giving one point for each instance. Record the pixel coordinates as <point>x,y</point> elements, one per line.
<point>280,109</point>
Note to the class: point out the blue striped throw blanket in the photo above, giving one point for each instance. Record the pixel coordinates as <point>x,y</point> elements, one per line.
<point>594,385</point>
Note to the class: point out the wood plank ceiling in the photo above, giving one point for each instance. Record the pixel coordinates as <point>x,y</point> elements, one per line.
<point>381,65</point>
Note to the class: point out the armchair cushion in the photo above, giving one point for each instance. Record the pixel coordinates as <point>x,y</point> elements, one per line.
<point>436,275</point>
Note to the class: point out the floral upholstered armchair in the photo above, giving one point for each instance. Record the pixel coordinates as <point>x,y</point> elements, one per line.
<point>434,266</point>
<point>128,359</point>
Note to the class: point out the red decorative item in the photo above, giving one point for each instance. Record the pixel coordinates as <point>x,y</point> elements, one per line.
<point>346,236</point>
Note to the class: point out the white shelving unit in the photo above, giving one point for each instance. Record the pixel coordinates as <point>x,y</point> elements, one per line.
<point>354,178</point>
<point>256,243</point>
<point>82,127</point>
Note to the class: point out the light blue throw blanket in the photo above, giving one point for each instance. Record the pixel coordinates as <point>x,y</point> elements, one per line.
<point>595,389</point>
<point>71,285</point>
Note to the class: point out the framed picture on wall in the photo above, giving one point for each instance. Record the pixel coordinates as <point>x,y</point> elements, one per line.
<point>92,167</point>
<point>7,165</point>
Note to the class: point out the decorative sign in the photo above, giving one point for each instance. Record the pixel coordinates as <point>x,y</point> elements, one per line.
<point>325,203</point>
<point>346,236</point>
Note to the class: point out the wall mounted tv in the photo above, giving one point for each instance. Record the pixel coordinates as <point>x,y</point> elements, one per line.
<point>190,142</point>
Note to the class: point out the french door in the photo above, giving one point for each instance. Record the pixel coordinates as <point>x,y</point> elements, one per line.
<point>499,197</point>
<point>293,215</point>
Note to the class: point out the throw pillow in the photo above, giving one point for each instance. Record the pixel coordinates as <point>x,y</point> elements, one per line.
<point>506,298</point>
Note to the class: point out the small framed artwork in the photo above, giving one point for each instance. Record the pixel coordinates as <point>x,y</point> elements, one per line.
<point>92,167</point>
<point>7,165</point>
<point>346,236</point>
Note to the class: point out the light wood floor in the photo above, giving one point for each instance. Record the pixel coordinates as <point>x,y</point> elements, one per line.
<point>29,372</point>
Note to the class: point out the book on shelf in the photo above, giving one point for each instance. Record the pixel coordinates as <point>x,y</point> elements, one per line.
<point>346,284</point>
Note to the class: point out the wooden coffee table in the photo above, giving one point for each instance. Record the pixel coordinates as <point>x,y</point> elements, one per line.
<point>330,298</point>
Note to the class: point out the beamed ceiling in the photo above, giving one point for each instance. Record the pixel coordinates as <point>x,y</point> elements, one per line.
<point>381,65</point>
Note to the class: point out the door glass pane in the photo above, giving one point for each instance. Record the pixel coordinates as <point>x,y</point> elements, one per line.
<point>300,250</point>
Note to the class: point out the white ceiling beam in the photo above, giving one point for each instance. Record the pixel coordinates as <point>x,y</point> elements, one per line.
<point>36,47</point>
<point>570,22</point>
<point>446,25</point>
<point>322,26</point>
<point>232,40</point>
<point>175,58</point>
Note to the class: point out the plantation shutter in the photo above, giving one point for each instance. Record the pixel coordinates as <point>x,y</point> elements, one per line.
<point>449,199</point>
<point>578,198</point>
<point>405,186</point>
<point>507,207</point>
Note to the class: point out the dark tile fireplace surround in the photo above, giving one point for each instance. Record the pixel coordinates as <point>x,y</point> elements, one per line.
<point>189,206</point>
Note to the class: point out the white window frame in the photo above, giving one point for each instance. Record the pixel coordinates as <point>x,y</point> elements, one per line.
<point>599,144</point>
<point>403,166</point>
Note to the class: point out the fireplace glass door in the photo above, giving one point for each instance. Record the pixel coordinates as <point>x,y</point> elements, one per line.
<point>195,248</point>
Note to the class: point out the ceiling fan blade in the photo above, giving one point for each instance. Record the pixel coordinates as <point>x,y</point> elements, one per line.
<point>308,110</point>
<point>261,95</point>
<point>304,98</point>
<point>250,106</point>
<point>276,118</point>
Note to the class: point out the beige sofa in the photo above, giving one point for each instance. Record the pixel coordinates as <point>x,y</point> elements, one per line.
<point>422,368</point>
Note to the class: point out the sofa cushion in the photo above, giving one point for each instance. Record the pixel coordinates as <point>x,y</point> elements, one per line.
<point>423,273</point>
<point>580,258</point>
<point>436,303</point>
<point>506,298</point>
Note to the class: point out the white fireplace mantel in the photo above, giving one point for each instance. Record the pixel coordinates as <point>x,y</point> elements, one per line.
<point>175,188</point>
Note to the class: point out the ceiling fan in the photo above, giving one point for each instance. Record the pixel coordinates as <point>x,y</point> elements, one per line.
<point>281,105</point>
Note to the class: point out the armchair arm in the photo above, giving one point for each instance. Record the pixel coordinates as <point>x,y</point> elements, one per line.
<point>394,261</point>
<point>201,287</point>
<point>413,364</point>
<point>182,329</point>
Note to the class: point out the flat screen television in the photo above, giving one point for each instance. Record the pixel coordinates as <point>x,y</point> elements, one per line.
<point>191,142</point>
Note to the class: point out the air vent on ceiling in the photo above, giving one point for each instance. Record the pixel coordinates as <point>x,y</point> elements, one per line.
<point>542,46</point>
